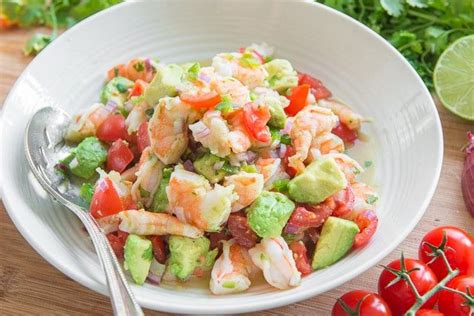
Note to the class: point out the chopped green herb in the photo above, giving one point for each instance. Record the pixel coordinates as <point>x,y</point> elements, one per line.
<point>356,171</point>
<point>285,139</point>
<point>226,105</point>
<point>229,169</point>
<point>167,172</point>
<point>144,193</point>
<point>136,100</point>
<point>275,134</point>
<point>121,87</point>
<point>140,66</point>
<point>86,192</point>
<point>367,163</point>
<point>372,199</point>
<point>149,112</point>
<point>281,185</point>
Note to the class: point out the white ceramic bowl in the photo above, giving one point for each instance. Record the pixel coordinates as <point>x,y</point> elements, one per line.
<point>354,62</point>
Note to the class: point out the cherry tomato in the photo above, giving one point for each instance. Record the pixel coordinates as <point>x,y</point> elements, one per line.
<point>348,135</point>
<point>459,250</point>
<point>216,237</point>
<point>372,304</point>
<point>117,71</point>
<point>143,138</point>
<point>317,88</point>
<point>159,248</point>
<point>290,151</point>
<point>307,216</point>
<point>117,242</point>
<point>112,128</point>
<point>297,97</point>
<point>452,304</point>
<point>138,88</point>
<point>119,156</point>
<point>105,201</point>
<point>342,202</point>
<point>399,296</point>
<point>241,231</point>
<point>428,312</point>
<point>255,120</point>
<point>204,101</point>
<point>300,254</point>
<point>367,222</point>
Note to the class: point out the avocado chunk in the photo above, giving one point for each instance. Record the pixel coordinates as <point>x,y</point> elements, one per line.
<point>164,83</point>
<point>86,158</point>
<point>278,116</point>
<point>187,254</point>
<point>116,90</point>
<point>160,200</point>
<point>337,237</point>
<point>281,75</point>
<point>320,179</point>
<point>138,257</point>
<point>268,214</point>
<point>205,167</point>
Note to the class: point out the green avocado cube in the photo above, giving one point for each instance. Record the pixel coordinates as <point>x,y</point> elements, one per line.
<point>89,155</point>
<point>281,75</point>
<point>205,166</point>
<point>164,83</point>
<point>320,179</point>
<point>160,200</point>
<point>277,115</point>
<point>268,214</point>
<point>138,254</point>
<point>337,237</point>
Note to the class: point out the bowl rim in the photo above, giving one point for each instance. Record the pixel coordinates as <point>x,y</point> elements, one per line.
<point>292,297</point>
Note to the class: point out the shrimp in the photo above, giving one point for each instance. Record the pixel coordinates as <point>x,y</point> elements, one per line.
<point>194,201</point>
<point>229,65</point>
<point>268,96</point>
<point>348,117</point>
<point>275,259</point>
<point>309,123</point>
<point>271,169</point>
<point>148,178</point>
<point>137,116</point>
<point>109,224</point>
<point>139,69</point>
<point>365,198</point>
<point>168,129</point>
<point>247,186</point>
<point>239,138</point>
<point>213,133</point>
<point>142,222</point>
<point>325,144</point>
<point>349,166</point>
<point>86,124</point>
<point>231,271</point>
<point>233,88</point>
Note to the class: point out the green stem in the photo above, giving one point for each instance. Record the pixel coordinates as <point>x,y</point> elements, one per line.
<point>426,17</point>
<point>469,299</point>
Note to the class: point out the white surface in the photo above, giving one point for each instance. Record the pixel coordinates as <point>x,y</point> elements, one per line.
<point>355,63</point>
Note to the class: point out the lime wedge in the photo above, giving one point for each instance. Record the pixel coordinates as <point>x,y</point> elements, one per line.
<point>454,77</point>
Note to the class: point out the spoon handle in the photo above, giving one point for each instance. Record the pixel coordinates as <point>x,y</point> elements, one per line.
<point>122,299</point>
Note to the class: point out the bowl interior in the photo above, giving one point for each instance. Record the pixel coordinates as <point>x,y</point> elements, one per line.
<point>357,66</point>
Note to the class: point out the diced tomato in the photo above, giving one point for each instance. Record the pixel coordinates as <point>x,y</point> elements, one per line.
<point>343,202</point>
<point>117,71</point>
<point>119,156</point>
<point>317,88</point>
<point>143,138</point>
<point>216,237</point>
<point>255,120</point>
<point>138,88</point>
<point>367,222</point>
<point>300,255</point>
<point>241,231</point>
<point>117,242</point>
<point>106,200</point>
<point>298,96</point>
<point>159,248</point>
<point>300,220</point>
<point>348,135</point>
<point>290,151</point>
<point>204,101</point>
<point>112,128</point>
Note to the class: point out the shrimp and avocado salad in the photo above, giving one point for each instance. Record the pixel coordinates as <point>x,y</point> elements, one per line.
<point>222,172</point>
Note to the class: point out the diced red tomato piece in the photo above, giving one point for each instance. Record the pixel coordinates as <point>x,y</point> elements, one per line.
<point>143,138</point>
<point>348,135</point>
<point>255,121</point>
<point>138,88</point>
<point>202,102</point>
<point>298,96</point>
<point>300,254</point>
<point>367,222</point>
<point>159,248</point>
<point>119,156</point>
<point>112,128</point>
<point>241,231</point>
<point>343,202</point>
<point>290,151</point>
<point>105,201</point>
<point>117,71</point>
<point>216,237</point>
<point>317,88</point>
<point>117,242</point>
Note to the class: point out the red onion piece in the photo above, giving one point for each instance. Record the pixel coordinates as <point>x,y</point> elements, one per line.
<point>111,106</point>
<point>218,165</point>
<point>204,77</point>
<point>200,130</point>
<point>283,149</point>
<point>148,66</point>
<point>287,129</point>
<point>467,177</point>
<point>188,165</point>
<point>153,278</point>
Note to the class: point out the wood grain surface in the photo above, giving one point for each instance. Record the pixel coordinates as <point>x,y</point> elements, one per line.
<point>29,285</point>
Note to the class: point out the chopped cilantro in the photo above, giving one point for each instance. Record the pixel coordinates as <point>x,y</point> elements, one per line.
<point>281,185</point>
<point>285,139</point>
<point>140,66</point>
<point>86,192</point>
<point>372,199</point>
<point>367,163</point>
<point>228,168</point>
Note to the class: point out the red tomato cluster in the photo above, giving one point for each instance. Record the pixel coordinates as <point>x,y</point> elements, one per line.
<point>396,295</point>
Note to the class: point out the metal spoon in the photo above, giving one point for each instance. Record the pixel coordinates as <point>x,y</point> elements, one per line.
<point>44,146</point>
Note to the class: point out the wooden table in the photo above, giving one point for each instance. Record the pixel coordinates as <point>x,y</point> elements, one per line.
<point>29,285</point>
